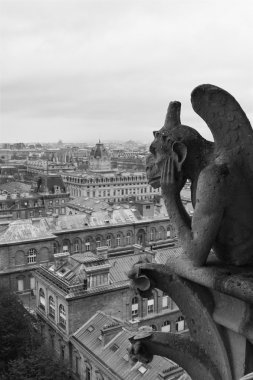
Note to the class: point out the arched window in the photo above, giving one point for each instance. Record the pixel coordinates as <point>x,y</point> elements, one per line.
<point>76,245</point>
<point>180,324</point>
<point>166,326</point>
<point>66,246</point>
<point>31,257</point>
<point>51,307</point>
<point>56,247</point>
<point>62,316</point>
<point>161,233</point>
<point>128,238</point>
<point>108,241</point>
<point>118,240</point>
<point>168,232</point>
<point>87,245</point>
<point>42,299</point>
<point>98,241</point>
<point>154,328</point>
<point>135,308</point>
<point>152,234</point>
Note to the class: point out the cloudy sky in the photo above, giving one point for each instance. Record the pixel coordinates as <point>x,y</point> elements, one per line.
<point>79,70</point>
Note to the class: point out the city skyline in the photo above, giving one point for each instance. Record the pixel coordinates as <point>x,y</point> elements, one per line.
<point>108,69</point>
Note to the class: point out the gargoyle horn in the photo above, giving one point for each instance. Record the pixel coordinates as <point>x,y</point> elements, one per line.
<point>172,119</point>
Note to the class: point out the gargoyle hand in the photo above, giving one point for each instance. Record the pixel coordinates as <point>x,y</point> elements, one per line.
<point>141,282</point>
<point>138,350</point>
<point>172,179</point>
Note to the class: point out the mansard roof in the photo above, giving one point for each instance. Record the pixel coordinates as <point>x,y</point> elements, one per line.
<point>24,230</point>
<point>113,354</point>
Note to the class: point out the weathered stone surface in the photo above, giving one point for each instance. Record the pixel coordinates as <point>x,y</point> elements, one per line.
<point>214,294</point>
<point>221,176</point>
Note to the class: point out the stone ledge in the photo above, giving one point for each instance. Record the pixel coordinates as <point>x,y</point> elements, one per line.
<point>228,279</point>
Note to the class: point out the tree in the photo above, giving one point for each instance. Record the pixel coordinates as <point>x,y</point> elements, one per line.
<point>17,334</point>
<point>39,364</point>
<point>23,354</point>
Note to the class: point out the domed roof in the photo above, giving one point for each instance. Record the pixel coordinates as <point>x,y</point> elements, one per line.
<point>99,151</point>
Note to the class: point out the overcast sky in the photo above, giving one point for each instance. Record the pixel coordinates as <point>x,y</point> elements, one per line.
<point>82,70</point>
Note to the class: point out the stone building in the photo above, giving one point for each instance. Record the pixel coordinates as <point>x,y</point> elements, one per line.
<point>114,187</point>
<point>118,228</point>
<point>39,166</point>
<point>23,246</point>
<point>20,201</point>
<point>100,351</point>
<point>100,159</point>
<point>72,289</point>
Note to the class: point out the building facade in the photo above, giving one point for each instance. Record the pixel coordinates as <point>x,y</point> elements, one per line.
<point>47,197</point>
<point>70,291</point>
<point>114,187</point>
<point>118,228</point>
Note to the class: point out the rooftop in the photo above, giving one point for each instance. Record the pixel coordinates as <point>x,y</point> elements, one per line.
<point>23,230</point>
<point>113,354</point>
<point>15,187</point>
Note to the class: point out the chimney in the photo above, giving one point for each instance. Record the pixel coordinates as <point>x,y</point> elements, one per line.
<point>108,332</point>
<point>102,252</point>
<point>138,249</point>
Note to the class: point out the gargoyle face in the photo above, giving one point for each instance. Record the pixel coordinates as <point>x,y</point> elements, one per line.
<point>153,172</point>
<point>164,147</point>
<point>160,148</point>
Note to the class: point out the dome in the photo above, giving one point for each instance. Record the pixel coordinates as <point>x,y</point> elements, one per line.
<point>100,159</point>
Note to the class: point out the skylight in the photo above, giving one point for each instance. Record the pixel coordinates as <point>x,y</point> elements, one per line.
<point>114,347</point>
<point>126,357</point>
<point>142,369</point>
<point>91,328</point>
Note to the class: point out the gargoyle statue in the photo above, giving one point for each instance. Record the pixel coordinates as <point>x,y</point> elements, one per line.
<point>221,176</point>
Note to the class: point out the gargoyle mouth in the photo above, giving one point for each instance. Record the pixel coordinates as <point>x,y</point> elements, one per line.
<point>154,182</point>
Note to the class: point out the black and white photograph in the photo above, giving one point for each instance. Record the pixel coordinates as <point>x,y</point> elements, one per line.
<point>126,190</point>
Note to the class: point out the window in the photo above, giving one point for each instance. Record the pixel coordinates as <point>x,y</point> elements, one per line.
<point>168,232</point>
<point>152,234</point>
<point>114,347</point>
<point>154,328</point>
<point>88,373</point>
<point>87,245</point>
<point>76,246</point>
<point>56,247</point>
<point>166,326</point>
<point>42,299</point>
<point>77,365</point>
<point>165,301</point>
<point>151,302</point>
<point>31,258</point>
<point>32,283</point>
<point>51,307</point>
<point>62,316</point>
<point>128,238</point>
<point>118,240</point>
<point>98,280</point>
<point>135,307</point>
<point>20,285</point>
<point>180,324</point>
<point>98,242</point>
<point>108,241</point>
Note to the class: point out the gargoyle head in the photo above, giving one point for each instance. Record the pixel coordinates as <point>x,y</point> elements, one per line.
<point>173,140</point>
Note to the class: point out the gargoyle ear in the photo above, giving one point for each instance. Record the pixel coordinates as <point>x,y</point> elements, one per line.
<point>180,151</point>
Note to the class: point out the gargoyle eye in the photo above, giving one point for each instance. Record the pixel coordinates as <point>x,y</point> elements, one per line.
<point>156,134</point>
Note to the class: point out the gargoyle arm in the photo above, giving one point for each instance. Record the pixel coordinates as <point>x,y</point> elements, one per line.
<point>198,235</point>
